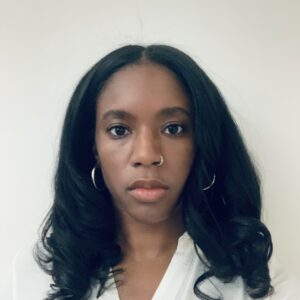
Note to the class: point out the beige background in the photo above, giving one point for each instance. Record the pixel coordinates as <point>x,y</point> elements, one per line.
<point>249,48</point>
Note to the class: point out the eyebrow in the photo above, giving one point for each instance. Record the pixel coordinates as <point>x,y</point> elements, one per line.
<point>165,112</point>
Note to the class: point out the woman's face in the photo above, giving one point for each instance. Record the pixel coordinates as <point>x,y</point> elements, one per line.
<point>129,143</point>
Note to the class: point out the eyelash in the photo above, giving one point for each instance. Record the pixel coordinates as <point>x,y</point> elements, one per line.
<point>121,126</point>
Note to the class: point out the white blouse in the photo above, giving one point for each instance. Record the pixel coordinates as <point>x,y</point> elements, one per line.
<point>30,283</point>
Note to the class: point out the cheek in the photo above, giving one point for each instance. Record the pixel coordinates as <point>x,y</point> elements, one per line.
<point>188,152</point>
<point>179,165</point>
<point>109,150</point>
<point>112,161</point>
<point>184,156</point>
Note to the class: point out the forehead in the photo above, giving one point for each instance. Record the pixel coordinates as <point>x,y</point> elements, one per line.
<point>142,89</point>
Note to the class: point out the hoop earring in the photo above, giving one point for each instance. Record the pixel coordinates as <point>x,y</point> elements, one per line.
<point>211,184</point>
<point>93,176</point>
<point>161,161</point>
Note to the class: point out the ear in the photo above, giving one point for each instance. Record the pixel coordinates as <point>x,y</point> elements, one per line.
<point>96,154</point>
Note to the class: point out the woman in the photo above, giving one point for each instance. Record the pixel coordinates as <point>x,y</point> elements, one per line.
<point>155,194</point>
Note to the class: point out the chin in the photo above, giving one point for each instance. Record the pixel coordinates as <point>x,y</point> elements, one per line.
<point>151,217</point>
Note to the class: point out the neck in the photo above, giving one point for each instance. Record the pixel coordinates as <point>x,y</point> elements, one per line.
<point>141,241</point>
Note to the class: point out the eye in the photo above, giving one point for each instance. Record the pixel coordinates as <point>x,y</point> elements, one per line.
<point>118,129</point>
<point>173,129</point>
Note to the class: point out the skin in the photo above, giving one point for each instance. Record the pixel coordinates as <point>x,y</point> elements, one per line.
<point>147,232</point>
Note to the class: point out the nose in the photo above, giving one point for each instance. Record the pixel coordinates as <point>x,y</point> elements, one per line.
<point>146,149</point>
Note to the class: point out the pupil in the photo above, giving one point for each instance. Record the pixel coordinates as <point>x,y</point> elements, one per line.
<point>172,127</point>
<point>120,130</point>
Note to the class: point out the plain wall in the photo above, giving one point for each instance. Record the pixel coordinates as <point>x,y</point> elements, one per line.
<point>249,48</point>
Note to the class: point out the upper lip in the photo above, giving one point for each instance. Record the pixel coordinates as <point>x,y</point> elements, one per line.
<point>147,183</point>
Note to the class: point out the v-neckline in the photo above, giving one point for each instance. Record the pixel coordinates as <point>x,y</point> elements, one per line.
<point>180,260</point>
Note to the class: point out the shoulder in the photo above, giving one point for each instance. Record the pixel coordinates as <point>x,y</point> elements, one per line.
<point>286,284</point>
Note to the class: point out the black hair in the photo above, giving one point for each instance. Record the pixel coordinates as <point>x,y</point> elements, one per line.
<point>78,239</point>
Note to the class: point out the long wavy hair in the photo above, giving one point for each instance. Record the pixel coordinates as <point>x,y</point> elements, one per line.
<point>77,244</point>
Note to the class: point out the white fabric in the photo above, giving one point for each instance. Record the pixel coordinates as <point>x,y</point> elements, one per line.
<point>30,283</point>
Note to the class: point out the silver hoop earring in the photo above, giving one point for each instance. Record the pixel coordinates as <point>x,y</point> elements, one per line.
<point>161,161</point>
<point>212,183</point>
<point>93,175</point>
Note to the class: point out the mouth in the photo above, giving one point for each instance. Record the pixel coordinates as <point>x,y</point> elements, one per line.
<point>147,183</point>
<point>148,194</point>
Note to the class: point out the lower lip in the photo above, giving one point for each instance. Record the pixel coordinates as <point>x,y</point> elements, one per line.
<point>148,194</point>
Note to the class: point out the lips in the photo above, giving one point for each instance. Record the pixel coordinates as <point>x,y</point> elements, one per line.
<point>147,184</point>
<point>148,195</point>
<point>148,190</point>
